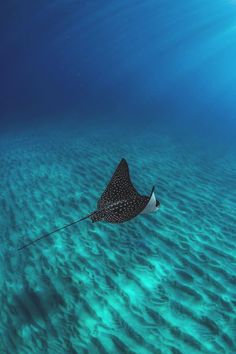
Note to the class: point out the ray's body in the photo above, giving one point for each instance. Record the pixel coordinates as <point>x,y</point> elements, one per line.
<point>119,202</point>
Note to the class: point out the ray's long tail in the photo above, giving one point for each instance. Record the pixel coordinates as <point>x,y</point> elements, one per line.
<point>53,232</point>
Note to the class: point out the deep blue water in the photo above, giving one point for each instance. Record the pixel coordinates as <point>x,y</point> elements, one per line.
<point>135,58</point>
<point>82,85</point>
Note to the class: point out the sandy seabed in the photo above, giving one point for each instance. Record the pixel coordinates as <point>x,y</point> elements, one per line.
<point>161,283</point>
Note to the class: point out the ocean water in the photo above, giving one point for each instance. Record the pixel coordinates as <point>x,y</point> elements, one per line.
<point>161,283</point>
<point>83,85</point>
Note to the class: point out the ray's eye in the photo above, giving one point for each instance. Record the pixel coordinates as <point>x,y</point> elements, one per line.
<point>158,203</point>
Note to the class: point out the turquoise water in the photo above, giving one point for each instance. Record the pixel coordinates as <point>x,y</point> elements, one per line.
<point>161,283</point>
<point>84,84</point>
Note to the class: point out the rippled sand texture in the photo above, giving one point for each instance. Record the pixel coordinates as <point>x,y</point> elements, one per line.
<point>162,283</point>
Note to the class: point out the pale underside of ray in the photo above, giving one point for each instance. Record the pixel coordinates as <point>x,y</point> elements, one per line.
<point>151,205</point>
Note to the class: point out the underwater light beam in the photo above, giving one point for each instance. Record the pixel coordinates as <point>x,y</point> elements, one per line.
<point>119,202</point>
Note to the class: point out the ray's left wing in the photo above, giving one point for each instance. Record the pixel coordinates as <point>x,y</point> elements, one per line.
<point>119,188</point>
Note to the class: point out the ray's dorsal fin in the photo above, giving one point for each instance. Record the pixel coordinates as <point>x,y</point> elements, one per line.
<point>119,188</point>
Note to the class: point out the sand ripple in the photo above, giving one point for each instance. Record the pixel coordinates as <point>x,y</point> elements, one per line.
<point>161,283</point>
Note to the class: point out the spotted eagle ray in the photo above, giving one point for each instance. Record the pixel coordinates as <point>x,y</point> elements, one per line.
<point>119,202</point>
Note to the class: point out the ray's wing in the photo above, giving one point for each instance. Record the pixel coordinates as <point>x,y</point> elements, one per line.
<point>119,188</point>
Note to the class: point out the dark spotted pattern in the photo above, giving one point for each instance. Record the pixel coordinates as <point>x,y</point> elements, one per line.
<point>120,201</point>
